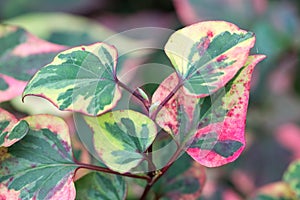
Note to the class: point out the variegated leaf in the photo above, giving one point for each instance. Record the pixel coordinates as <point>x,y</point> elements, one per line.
<point>121,138</point>
<point>208,54</point>
<point>292,177</point>
<point>97,185</point>
<point>40,166</point>
<point>80,79</point>
<point>21,55</point>
<point>11,130</point>
<point>182,113</point>
<point>223,141</point>
<point>183,181</point>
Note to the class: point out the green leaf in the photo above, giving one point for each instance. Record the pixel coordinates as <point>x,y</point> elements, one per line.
<point>80,79</point>
<point>292,177</point>
<point>40,166</point>
<point>97,185</point>
<point>11,130</point>
<point>21,55</point>
<point>184,180</point>
<point>122,137</point>
<point>208,54</point>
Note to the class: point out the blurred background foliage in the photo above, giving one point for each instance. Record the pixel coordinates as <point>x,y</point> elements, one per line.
<point>273,124</point>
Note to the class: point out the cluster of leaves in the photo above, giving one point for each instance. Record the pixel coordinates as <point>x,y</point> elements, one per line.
<point>274,117</point>
<point>201,108</point>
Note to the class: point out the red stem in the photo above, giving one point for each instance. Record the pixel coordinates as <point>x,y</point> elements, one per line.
<point>106,170</point>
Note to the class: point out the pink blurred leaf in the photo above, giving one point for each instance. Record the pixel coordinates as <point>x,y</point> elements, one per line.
<point>21,55</point>
<point>237,11</point>
<point>288,135</point>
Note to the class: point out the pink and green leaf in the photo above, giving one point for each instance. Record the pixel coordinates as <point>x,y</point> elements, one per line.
<point>40,166</point>
<point>80,79</point>
<point>219,119</point>
<point>97,185</point>
<point>21,55</point>
<point>121,138</point>
<point>223,141</point>
<point>11,130</point>
<point>208,54</point>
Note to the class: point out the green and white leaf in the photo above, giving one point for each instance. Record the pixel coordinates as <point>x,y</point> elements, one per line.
<point>80,79</point>
<point>122,137</point>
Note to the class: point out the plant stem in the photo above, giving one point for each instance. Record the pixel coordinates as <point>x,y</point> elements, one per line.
<point>106,170</point>
<point>134,93</point>
<point>160,173</point>
<point>146,191</point>
<point>148,157</point>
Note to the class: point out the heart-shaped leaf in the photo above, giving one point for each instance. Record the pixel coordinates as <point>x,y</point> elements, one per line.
<point>80,79</point>
<point>11,130</point>
<point>208,54</point>
<point>219,143</point>
<point>40,166</point>
<point>122,137</point>
<point>21,55</point>
<point>97,185</point>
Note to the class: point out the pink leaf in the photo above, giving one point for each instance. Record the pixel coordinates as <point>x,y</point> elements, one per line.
<point>222,142</point>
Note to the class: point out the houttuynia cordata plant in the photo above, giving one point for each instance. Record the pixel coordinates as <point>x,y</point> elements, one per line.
<point>198,111</point>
